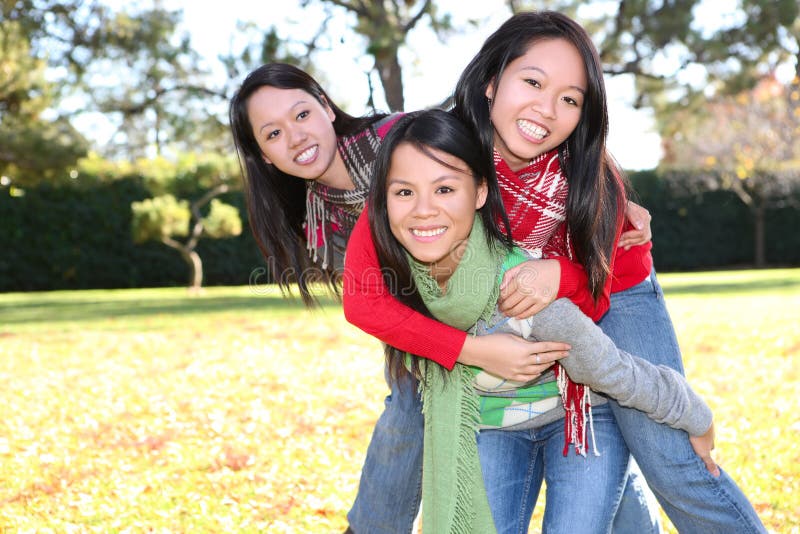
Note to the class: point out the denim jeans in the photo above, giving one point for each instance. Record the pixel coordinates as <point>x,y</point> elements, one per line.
<point>695,500</point>
<point>582,492</point>
<point>390,489</point>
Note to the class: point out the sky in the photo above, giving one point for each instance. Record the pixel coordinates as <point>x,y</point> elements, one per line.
<point>430,67</point>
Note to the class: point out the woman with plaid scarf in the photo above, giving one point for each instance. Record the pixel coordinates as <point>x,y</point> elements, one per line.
<point>307,166</point>
<point>562,193</point>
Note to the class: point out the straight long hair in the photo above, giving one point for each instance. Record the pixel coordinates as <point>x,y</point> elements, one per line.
<point>276,201</point>
<point>426,130</point>
<point>595,182</point>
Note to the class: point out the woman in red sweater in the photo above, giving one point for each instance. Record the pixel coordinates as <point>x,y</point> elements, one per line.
<point>562,197</point>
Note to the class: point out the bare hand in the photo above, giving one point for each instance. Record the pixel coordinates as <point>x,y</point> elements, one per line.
<point>529,287</point>
<point>640,218</point>
<point>511,357</point>
<point>703,445</point>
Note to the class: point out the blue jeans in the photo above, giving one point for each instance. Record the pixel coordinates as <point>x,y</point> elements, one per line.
<point>695,500</point>
<point>390,489</point>
<point>582,492</point>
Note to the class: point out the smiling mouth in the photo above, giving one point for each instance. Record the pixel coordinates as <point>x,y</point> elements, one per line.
<point>428,233</point>
<point>532,130</point>
<point>307,155</point>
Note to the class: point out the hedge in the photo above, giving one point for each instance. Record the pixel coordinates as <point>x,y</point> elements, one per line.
<point>80,238</point>
<point>71,237</point>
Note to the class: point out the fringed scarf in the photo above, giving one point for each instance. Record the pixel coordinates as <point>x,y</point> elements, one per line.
<point>535,199</point>
<point>453,493</point>
<point>331,211</point>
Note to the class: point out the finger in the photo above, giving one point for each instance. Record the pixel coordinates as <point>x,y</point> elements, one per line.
<point>549,346</point>
<point>545,359</point>
<point>508,277</point>
<point>525,309</point>
<point>530,311</point>
<point>711,465</point>
<point>510,303</point>
<point>511,288</point>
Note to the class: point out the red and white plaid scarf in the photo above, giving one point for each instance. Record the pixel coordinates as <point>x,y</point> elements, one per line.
<point>535,199</point>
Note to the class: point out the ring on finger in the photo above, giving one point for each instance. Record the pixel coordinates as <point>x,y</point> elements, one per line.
<point>538,359</point>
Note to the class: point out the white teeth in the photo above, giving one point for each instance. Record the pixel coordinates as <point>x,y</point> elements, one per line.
<point>532,129</point>
<point>428,233</point>
<point>306,154</point>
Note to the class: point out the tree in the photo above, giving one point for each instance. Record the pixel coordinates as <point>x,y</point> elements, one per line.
<point>33,147</point>
<point>385,25</point>
<point>159,96</point>
<point>748,144</point>
<point>165,218</point>
<point>678,57</point>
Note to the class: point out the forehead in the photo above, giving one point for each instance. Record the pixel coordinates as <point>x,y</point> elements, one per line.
<point>407,157</point>
<point>268,103</point>
<point>557,57</point>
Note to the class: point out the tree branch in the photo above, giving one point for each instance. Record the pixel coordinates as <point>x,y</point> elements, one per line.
<point>416,18</point>
<point>197,229</point>
<point>360,9</point>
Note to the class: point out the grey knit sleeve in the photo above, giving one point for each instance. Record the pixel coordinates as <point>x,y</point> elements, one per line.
<point>662,393</point>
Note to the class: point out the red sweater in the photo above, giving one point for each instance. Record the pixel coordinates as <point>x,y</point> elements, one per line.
<point>368,304</point>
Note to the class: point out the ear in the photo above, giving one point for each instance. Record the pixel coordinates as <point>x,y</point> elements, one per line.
<point>490,90</point>
<point>482,193</point>
<point>328,109</point>
<point>266,159</point>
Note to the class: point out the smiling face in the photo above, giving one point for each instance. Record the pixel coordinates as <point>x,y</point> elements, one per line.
<point>294,131</point>
<point>537,102</point>
<point>431,206</point>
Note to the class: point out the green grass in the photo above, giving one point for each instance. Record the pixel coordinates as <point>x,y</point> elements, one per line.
<point>237,411</point>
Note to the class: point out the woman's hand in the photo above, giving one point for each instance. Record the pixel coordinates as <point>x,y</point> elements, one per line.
<point>703,445</point>
<point>529,287</point>
<point>511,357</point>
<point>640,218</point>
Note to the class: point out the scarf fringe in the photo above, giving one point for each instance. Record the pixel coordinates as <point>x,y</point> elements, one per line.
<point>316,227</point>
<point>463,510</point>
<point>578,407</point>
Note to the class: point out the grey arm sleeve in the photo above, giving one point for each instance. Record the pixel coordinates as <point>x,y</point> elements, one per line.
<point>662,393</point>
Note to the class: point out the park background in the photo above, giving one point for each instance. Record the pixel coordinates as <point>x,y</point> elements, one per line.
<point>133,409</point>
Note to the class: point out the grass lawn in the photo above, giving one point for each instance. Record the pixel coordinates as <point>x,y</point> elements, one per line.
<point>238,411</point>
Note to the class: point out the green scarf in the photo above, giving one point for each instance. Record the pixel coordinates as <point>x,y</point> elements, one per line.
<point>453,495</point>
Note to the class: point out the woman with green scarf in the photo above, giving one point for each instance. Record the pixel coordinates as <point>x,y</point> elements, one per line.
<point>440,259</point>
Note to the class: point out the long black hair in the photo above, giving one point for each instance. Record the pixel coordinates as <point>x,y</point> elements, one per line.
<point>276,202</point>
<point>427,130</point>
<point>595,193</point>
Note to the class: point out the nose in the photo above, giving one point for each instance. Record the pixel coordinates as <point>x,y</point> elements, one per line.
<point>545,106</point>
<point>297,136</point>
<point>425,206</point>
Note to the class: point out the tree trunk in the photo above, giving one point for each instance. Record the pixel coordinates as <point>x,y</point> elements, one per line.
<point>759,235</point>
<point>391,76</point>
<point>192,258</point>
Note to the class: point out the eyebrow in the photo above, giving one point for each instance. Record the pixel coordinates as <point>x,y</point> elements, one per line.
<point>437,180</point>
<point>579,89</point>
<point>299,102</point>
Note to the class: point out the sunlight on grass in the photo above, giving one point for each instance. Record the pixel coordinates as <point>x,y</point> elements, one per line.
<point>238,411</point>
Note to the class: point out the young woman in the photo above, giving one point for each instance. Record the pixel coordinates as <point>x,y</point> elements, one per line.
<point>547,121</point>
<point>441,259</point>
<point>306,167</point>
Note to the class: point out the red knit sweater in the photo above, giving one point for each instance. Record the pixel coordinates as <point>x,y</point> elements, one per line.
<point>369,305</point>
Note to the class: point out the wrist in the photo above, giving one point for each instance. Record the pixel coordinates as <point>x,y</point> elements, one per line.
<point>471,351</point>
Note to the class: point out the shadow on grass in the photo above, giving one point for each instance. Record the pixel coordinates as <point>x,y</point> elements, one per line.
<point>731,287</point>
<point>71,310</point>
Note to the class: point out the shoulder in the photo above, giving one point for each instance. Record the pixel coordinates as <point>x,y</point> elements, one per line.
<point>384,124</point>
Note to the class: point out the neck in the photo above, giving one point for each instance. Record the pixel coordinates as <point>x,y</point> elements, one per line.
<point>336,175</point>
<point>443,270</point>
